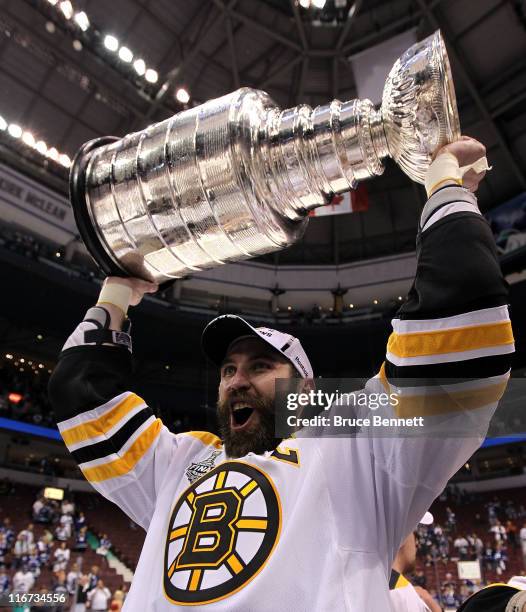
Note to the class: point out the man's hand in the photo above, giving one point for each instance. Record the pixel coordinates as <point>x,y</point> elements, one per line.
<point>138,286</point>
<point>467,150</point>
<point>425,596</point>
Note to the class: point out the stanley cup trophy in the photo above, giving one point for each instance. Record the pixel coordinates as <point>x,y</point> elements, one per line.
<point>236,177</point>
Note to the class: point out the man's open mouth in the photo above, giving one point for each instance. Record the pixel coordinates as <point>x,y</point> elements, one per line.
<point>240,415</point>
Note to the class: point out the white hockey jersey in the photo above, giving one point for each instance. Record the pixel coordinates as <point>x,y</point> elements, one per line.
<point>314,525</point>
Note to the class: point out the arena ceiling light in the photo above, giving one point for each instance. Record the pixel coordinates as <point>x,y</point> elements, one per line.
<point>151,75</point>
<point>67,9</point>
<point>14,130</point>
<point>111,43</point>
<point>182,95</point>
<point>81,19</point>
<point>140,67</point>
<point>88,35</point>
<point>29,139</point>
<point>18,133</point>
<point>125,54</point>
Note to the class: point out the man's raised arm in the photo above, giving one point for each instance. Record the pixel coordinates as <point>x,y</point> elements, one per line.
<point>110,431</point>
<point>455,323</point>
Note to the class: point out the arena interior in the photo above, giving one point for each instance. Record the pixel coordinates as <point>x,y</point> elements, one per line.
<point>73,71</point>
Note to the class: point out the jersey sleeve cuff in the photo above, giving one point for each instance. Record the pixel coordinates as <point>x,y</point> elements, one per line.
<point>449,195</point>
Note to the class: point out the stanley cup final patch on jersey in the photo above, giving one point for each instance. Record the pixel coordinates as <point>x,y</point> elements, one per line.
<point>222,531</point>
<point>196,470</point>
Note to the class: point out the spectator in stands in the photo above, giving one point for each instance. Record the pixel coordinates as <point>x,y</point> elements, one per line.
<point>47,537</point>
<point>104,546</point>
<point>37,507</point>
<point>21,550</point>
<point>449,598</point>
<point>81,540</point>
<point>448,583</point>
<point>28,534</point>
<point>44,551</point>
<point>8,531</point>
<point>492,513</point>
<point>499,532</point>
<point>488,555</point>
<point>23,580</point>
<point>66,521</point>
<point>82,594</point>
<point>61,555</point>
<point>117,601</point>
<point>4,581</point>
<point>476,545</point>
<point>60,588</point>
<point>93,577</point>
<point>68,507</point>
<point>80,521</point>
<point>45,513</point>
<point>33,561</point>
<point>4,548</point>
<point>511,533</point>
<point>62,533</point>
<point>499,558</point>
<point>99,597</point>
<point>461,546</point>
<point>451,520</point>
<point>72,578</point>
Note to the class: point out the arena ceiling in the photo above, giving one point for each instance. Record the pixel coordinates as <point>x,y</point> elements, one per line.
<point>63,85</point>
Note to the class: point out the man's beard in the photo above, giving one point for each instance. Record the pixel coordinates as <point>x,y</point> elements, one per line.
<point>259,440</point>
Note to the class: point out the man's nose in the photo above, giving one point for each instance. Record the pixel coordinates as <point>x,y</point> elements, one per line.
<point>239,381</point>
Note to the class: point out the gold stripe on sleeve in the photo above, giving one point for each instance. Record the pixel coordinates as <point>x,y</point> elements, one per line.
<point>97,427</point>
<point>433,404</point>
<point>206,438</point>
<point>455,340</point>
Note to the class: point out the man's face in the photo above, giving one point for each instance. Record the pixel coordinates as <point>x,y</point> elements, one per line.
<point>245,407</point>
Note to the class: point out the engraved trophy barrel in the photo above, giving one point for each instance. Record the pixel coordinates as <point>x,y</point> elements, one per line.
<point>236,177</point>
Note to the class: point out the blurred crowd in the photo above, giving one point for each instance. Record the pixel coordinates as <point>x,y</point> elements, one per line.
<point>494,534</point>
<point>33,406</point>
<point>26,556</point>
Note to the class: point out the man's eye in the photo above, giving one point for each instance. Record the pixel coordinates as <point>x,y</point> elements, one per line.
<point>228,370</point>
<point>261,365</point>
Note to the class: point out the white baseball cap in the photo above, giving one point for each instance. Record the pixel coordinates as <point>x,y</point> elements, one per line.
<point>222,331</point>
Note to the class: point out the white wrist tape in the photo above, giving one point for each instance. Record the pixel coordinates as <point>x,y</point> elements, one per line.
<point>115,294</point>
<point>445,168</point>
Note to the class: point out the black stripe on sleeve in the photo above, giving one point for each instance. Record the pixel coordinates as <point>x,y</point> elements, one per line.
<point>393,579</point>
<point>453,371</point>
<point>115,442</point>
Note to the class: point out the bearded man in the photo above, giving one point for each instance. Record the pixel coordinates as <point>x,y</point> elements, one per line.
<point>249,522</point>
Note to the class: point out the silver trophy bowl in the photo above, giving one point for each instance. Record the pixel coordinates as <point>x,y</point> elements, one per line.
<point>236,177</point>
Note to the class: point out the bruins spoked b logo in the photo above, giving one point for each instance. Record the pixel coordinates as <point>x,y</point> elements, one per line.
<point>221,533</point>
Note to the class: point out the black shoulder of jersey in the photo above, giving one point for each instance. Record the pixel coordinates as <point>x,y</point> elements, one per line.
<point>493,598</point>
